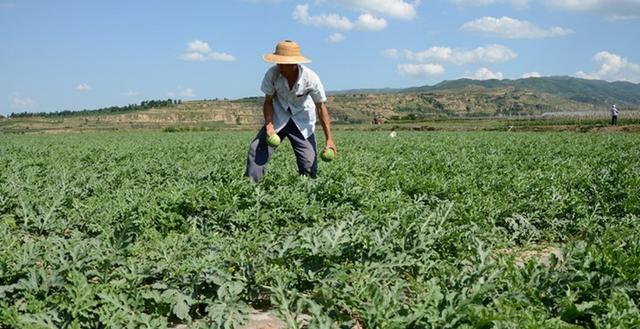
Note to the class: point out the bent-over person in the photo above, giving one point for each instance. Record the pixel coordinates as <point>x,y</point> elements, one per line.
<point>294,98</point>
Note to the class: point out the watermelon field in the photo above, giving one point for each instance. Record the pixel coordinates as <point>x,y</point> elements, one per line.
<point>425,230</point>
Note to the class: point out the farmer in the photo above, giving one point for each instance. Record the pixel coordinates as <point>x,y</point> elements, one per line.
<point>614,115</point>
<point>293,96</point>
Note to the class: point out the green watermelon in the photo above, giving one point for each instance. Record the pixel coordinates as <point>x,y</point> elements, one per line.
<point>273,140</point>
<point>328,155</point>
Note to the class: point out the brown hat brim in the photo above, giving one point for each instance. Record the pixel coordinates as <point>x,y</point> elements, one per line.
<point>280,59</point>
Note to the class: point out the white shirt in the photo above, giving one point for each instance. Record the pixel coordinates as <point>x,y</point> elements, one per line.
<point>614,111</point>
<point>297,103</point>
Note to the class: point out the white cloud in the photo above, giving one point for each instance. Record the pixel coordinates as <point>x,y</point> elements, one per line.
<point>334,21</point>
<point>199,51</point>
<point>21,102</point>
<point>612,9</point>
<point>475,3</point>
<point>511,28</point>
<point>484,73</point>
<point>399,9</point>
<point>489,54</point>
<point>187,92</point>
<point>131,93</point>
<point>83,87</point>
<point>531,75</point>
<point>431,61</point>
<point>367,22</point>
<point>442,54</point>
<point>337,38</point>
<point>613,68</point>
<point>390,53</point>
<point>198,46</point>
<point>420,69</point>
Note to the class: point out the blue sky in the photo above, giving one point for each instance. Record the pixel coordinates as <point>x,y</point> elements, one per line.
<point>71,55</point>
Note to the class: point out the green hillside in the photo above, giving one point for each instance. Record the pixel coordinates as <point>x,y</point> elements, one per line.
<point>596,92</point>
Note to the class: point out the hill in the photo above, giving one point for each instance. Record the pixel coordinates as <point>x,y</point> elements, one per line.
<point>484,98</point>
<point>462,98</point>
<point>595,92</point>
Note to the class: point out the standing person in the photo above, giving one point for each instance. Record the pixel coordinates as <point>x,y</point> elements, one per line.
<point>614,115</point>
<point>293,96</point>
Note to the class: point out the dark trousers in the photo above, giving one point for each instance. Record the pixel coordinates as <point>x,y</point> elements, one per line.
<point>614,120</point>
<point>304,149</point>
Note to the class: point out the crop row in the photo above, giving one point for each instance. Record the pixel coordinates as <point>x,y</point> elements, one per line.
<point>425,230</point>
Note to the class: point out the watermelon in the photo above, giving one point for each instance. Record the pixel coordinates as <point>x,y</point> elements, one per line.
<point>273,140</point>
<point>328,155</point>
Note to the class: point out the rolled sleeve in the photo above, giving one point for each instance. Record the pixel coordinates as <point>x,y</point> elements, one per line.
<point>317,93</point>
<point>268,83</point>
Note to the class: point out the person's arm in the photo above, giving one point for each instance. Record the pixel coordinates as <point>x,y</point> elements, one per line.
<point>325,121</point>
<point>269,90</point>
<point>267,110</point>
<point>319,98</point>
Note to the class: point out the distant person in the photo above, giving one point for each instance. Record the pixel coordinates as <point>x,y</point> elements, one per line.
<point>614,115</point>
<point>293,96</point>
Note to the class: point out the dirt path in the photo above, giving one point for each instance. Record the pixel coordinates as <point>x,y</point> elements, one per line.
<point>542,255</point>
<point>258,319</point>
<point>263,320</point>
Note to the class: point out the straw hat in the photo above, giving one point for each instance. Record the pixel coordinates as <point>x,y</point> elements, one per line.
<point>287,52</point>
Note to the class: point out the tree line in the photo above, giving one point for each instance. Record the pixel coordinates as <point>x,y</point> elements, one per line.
<point>144,105</point>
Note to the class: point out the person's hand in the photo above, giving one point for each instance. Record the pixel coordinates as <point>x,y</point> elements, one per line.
<point>331,145</point>
<point>270,130</point>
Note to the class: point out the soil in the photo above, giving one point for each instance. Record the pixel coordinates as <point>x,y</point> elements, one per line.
<point>263,320</point>
<point>258,319</point>
<point>542,255</point>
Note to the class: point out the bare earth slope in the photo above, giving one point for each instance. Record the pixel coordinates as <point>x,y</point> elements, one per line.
<point>452,99</point>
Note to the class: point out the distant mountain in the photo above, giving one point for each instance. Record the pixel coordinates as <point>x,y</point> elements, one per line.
<point>595,92</point>
<point>462,98</point>
<point>366,91</point>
